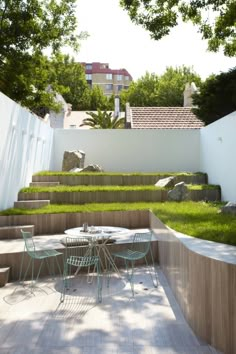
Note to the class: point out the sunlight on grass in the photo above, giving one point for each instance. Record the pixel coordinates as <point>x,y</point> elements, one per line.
<point>81,188</point>
<point>197,219</point>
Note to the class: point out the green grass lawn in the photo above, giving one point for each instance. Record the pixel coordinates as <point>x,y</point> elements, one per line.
<point>197,219</point>
<point>81,188</point>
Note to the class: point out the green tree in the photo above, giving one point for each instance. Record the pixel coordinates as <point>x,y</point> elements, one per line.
<point>142,93</point>
<point>215,19</point>
<point>216,97</point>
<point>68,78</point>
<point>97,99</point>
<point>172,83</point>
<point>160,91</point>
<point>103,120</point>
<point>27,28</point>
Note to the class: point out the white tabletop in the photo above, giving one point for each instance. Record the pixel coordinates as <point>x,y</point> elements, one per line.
<point>97,231</point>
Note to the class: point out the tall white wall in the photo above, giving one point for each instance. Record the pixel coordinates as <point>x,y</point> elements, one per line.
<point>25,148</point>
<point>146,150</point>
<point>218,159</point>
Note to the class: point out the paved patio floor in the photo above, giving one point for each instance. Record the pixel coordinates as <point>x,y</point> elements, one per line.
<point>149,323</point>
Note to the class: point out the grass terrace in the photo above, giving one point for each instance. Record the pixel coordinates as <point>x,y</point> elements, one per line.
<point>161,174</point>
<point>81,188</point>
<point>197,219</point>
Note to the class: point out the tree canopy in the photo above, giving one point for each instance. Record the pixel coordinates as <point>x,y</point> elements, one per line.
<point>216,97</point>
<point>160,91</point>
<point>216,19</point>
<point>27,29</point>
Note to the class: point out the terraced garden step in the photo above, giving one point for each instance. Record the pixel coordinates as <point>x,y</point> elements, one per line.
<point>44,184</point>
<point>14,232</point>
<point>31,203</point>
<point>119,196</point>
<point>119,179</point>
<point>4,275</point>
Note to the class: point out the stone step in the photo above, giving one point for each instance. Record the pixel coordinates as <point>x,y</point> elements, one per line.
<point>43,184</point>
<point>4,275</point>
<point>13,232</point>
<point>31,204</point>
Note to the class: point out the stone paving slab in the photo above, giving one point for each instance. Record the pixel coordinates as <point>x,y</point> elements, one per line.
<point>150,323</point>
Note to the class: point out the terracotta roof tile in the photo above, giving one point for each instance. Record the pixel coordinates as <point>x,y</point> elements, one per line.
<point>164,118</point>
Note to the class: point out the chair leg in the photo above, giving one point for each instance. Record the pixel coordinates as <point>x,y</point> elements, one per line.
<point>58,266</point>
<point>41,263</point>
<point>99,282</point>
<point>131,280</point>
<point>26,272</point>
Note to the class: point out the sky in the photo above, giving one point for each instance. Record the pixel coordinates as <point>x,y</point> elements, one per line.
<point>114,39</point>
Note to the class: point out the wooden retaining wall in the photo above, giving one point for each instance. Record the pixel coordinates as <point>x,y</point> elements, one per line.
<point>46,224</point>
<point>118,180</point>
<point>117,196</point>
<point>204,287</point>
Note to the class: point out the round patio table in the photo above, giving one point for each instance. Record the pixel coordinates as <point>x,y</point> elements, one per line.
<point>100,236</point>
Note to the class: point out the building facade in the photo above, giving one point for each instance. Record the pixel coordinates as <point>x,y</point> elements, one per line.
<point>111,81</point>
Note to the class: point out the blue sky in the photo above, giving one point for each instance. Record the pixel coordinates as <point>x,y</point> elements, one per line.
<point>114,39</point>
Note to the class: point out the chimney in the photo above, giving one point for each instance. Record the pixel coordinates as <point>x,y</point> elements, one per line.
<point>128,116</point>
<point>189,90</point>
<point>117,107</point>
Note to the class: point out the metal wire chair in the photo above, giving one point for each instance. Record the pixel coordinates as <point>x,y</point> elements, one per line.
<point>37,255</point>
<point>139,249</point>
<point>80,253</point>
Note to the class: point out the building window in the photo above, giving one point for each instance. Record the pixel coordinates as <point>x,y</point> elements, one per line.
<point>119,77</point>
<point>88,77</point>
<point>126,87</point>
<point>126,78</point>
<point>88,66</point>
<point>120,87</point>
<point>104,66</point>
<point>109,87</point>
<point>109,76</point>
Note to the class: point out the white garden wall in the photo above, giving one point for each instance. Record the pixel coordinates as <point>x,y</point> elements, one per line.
<point>25,147</point>
<point>29,145</point>
<point>218,159</point>
<point>146,150</point>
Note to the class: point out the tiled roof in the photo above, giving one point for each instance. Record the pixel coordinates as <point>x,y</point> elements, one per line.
<point>164,118</point>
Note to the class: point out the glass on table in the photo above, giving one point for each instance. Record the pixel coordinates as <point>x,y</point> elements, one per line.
<point>85,227</point>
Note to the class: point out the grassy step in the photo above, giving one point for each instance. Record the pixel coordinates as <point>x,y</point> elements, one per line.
<point>200,219</point>
<point>109,194</point>
<point>108,188</point>
<point>100,178</point>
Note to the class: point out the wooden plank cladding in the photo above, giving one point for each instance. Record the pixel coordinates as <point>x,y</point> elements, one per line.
<point>97,196</point>
<point>117,196</point>
<point>57,223</point>
<point>205,287</point>
<point>119,180</point>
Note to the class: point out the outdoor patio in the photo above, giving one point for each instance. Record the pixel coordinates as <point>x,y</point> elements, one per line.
<point>149,323</point>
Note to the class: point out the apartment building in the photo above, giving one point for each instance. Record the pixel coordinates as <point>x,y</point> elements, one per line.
<point>111,81</point>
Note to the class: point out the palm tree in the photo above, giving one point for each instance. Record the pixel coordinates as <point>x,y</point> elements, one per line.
<point>103,120</point>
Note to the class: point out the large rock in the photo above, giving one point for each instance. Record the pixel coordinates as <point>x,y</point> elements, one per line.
<point>179,193</point>
<point>92,168</point>
<point>166,182</point>
<point>229,208</point>
<point>73,159</point>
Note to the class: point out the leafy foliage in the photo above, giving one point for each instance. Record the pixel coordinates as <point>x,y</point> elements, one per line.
<point>27,28</point>
<point>215,19</point>
<point>103,120</point>
<point>160,91</point>
<point>217,97</point>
